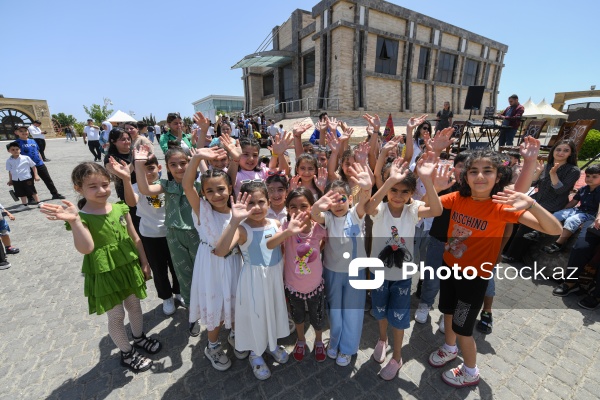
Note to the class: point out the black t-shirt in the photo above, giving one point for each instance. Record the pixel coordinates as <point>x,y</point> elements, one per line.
<point>439,226</point>
<point>118,182</point>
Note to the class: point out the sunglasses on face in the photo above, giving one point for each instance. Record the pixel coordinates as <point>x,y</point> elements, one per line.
<point>252,180</point>
<point>428,129</point>
<point>273,173</point>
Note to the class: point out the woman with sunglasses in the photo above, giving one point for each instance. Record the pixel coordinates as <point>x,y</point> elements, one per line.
<point>175,134</point>
<point>421,136</point>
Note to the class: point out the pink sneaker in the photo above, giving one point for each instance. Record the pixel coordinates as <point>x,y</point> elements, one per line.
<point>390,371</point>
<point>379,352</point>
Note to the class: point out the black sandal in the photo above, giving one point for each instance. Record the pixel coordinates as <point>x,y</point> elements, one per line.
<point>135,361</point>
<point>150,346</point>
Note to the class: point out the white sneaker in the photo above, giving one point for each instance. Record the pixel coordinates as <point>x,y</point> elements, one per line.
<point>343,360</point>
<point>280,355</point>
<point>422,313</point>
<point>442,325</point>
<point>169,306</point>
<point>331,352</point>
<point>458,377</point>
<point>217,357</point>
<point>441,357</point>
<point>240,355</point>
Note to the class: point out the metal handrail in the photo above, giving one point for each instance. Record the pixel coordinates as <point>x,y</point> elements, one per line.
<point>305,104</point>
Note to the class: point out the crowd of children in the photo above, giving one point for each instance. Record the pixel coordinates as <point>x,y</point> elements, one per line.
<point>249,246</point>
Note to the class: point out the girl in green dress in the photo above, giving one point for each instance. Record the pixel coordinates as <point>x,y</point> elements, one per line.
<point>114,263</point>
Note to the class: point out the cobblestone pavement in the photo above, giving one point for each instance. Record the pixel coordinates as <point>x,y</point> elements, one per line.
<point>542,346</point>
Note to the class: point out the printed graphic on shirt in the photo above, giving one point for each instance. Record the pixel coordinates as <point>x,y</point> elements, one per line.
<point>395,251</point>
<point>304,255</point>
<point>155,201</point>
<point>455,245</point>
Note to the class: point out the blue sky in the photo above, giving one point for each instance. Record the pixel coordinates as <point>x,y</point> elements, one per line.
<point>158,56</point>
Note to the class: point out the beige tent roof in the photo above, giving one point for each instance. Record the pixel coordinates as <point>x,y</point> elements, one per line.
<point>120,116</point>
<point>550,112</point>
<point>531,110</point>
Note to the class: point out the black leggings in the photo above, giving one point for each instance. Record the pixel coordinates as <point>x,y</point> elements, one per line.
<point>159,258</point>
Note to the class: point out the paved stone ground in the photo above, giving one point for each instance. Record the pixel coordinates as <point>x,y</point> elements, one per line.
<point>542,346</point>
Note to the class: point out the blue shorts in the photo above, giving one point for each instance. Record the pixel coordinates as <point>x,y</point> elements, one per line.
<point>4,228</point>
<point>392,302</point>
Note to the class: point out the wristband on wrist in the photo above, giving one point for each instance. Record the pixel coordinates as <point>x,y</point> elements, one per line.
<point>531,206</point>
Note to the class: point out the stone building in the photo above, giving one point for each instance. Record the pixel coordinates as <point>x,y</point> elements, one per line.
<point>22,112</point>
<point>371,55</point>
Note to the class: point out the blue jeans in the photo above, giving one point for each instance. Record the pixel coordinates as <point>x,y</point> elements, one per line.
<point>421,242</point>
<point>434,258</point>
<point>507,136</point>
<point>392,302</point>
<point>573,218</point>
<point>346,308</point>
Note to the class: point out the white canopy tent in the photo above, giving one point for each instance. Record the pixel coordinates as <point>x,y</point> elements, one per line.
<point>120,116</point>
<point>550,112</point>
<point>531,110</point>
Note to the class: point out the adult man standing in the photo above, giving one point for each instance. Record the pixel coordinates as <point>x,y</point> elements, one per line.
<point>157,132</point>
<point>38,135</point>
<point>511,120</point>
<point>91,136</point>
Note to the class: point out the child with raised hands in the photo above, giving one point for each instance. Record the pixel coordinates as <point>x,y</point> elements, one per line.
<point>115,267</point>
<point>309,176</point>
<point>479,214</point>
<point>245,165</point>
<point>343,219</point>
<point>303,269</point>
<point>182,236</point>
<point>393,242</point>
<point>260,311</point>
<point>214,282</point>
<point>153,232</point>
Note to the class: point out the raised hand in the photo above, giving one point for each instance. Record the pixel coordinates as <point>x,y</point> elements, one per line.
<point>118,168</point>
<point>328,200</point>
<point>413,122</point>
<point>67,212</point>
<point>141,153</point>
<point>295,182</point>
<point>281,144</point>
<point>239,208</point>
<point>442,140</point>
<point>211,153</point>
<point>427,164</point>
<point>298,222</point>
<point>362,153</point>
<point>519,201</point>
<point>399,170</point>
<point>443,177</point>
<point>373,121</point>
<point>322,127</point>
<point>202,122</point>
<point>359,175</point>
<point>554,168</point>
<point>332,124</point>
<point>333,142</point>
<point>530,148</point>
<point>300,128</point>
<point>321,179</point>
<point>231,146</point>
<point>346,135</point>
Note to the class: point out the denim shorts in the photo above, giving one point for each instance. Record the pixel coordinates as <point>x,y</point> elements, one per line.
<point>4,228</point>
<point>392,302</point>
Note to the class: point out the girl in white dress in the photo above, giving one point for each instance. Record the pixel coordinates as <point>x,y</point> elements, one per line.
<point>261,314</point>
<point>214,281</point>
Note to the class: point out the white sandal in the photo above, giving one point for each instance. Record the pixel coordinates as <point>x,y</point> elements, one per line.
<point>280,355</point>
<point>259,367</point>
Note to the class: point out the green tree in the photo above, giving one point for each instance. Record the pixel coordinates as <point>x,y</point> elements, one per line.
<point>64,119</point>
<point>98,113</point>
<point>150,121</point>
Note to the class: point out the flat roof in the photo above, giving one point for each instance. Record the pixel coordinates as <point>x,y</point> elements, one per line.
<point>218,97</point>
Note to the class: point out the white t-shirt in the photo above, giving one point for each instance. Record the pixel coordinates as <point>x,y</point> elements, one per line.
<point>92,133</point>
<point>151,210</point>
<point>396,233</point>
<point>35,132</point>
<point>272,130</point>
<point>281,216</point>
<point>157,129</point>
<point>20,167</point>
<point>344,235</point>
